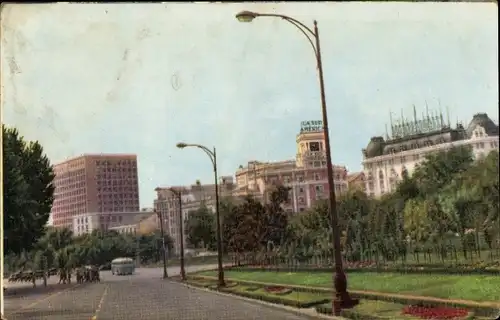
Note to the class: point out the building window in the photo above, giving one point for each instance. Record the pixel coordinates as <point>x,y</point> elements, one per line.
<point>381,175</point>
<point>317,177</point>
<point>319,189</point>
<point>301,199</point>
<point>314,146</point>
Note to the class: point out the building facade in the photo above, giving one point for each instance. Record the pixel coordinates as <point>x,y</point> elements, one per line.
<point>94,183</point>
<point>193,197</point>
<point>385,159</point>
<point>144,223</point>
<point>356,181</point>
<point>306,175</point>
<point>90,221</point>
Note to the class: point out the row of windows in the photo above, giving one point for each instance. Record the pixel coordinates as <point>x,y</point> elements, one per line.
<point>64,187</point>
<point>117,196</point>
<point>118,190</point>
<point>111,217</point>
<point>118,208</point>
<point>117,182</point>
<point>120,170</point>
<point>125,162</point>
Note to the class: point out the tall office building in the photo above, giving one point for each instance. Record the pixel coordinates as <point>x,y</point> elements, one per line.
<point>94,183</point>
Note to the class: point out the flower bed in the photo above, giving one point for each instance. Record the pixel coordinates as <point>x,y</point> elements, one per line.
<point>278,290</point>
<point>435,312</point>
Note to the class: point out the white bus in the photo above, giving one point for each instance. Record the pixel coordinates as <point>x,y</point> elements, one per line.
<point>122,266</point>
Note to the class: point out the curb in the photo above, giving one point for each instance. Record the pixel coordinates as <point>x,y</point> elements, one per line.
<point>310,313</point>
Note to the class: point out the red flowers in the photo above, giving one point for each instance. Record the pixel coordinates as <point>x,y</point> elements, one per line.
<point>435,312</point>
<point>277,290</point>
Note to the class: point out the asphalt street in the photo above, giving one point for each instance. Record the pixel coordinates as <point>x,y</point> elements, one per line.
<point>144,295</point>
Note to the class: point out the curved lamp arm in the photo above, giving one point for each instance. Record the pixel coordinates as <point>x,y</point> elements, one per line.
<point>248,16</point>
<point>209,152</point>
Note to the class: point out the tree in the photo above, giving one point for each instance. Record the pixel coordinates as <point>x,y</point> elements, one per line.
<point>417,220</point>
<point>28,191</point>
<point>200,228</point>
<point>275,221</point>
<point>439,169</point>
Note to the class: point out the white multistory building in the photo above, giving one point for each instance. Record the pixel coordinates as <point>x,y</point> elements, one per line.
<point>385,159</point>
<point>90,221</point>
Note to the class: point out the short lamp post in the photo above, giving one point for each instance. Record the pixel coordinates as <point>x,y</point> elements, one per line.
<point>213,158</point>
<point>163,245</point>
<point>178,196</point>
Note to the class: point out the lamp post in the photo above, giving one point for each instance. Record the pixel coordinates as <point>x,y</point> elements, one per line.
<point>342,298</point>
<point>164,248</point>
<point>213,157</point>
<point>178,195</point>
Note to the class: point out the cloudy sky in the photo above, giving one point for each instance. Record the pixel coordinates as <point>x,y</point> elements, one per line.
<point>137,78</point>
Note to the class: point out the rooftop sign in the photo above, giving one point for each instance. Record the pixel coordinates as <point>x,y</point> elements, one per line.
<point>311,126</point>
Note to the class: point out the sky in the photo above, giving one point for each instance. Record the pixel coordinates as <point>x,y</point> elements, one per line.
<point>138,78</point>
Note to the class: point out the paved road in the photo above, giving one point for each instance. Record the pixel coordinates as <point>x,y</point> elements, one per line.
<point>141,296</point>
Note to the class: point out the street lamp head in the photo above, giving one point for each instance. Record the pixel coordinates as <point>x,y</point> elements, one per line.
<point>181,145</point>
<point>246,16</point>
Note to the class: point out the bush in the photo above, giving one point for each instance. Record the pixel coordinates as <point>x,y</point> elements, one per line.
<point>251,289</point>
<point>479,269</point>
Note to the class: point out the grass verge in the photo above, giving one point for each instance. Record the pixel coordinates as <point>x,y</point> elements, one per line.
<point>464,287</point>
<point>296,299</point>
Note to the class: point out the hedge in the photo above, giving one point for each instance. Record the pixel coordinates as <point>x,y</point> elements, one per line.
<point>275,299</point>
<point>409,270</point>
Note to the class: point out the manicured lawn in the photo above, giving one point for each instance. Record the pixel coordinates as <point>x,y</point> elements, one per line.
<point>466,287</point>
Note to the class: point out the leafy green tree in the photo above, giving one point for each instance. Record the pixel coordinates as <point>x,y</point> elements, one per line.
<point>439,169</point>
<point>28,191</point>
<point>275,221</point>
<point>200,228</point>
<point>416,219</point>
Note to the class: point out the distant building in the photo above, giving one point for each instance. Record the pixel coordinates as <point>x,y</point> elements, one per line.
<point>306,175</point>
<point>88,222</point>
<point>356,181</point>
<point>145,223</point>
<point>94,183</point>
<point>193,197</point>
<point>385,160</point>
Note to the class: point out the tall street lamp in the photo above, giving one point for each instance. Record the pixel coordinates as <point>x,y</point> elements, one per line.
<point>342,298</point>
<point>178,195</point>
<point>213,157</point>
<point>163,245</point>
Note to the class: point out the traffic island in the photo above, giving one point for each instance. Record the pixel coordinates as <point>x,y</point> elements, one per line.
<point>374,305</point>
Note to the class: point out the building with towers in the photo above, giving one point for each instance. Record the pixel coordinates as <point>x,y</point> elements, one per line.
<point>385,159</point>
<point>306,175</point>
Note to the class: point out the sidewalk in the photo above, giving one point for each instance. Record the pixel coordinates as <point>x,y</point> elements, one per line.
<point>473,304</point>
